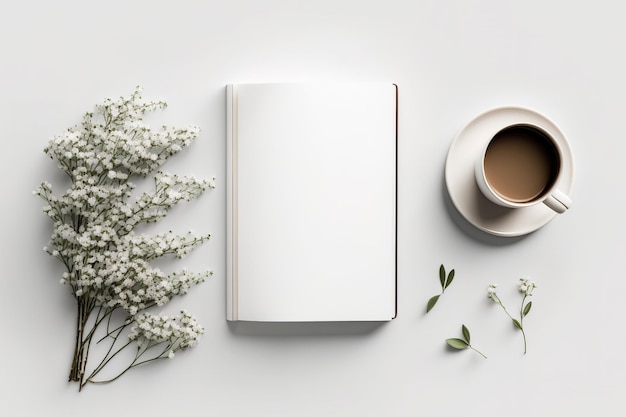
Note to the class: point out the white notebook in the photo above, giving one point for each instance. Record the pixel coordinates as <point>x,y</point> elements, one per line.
<point>311,202</point>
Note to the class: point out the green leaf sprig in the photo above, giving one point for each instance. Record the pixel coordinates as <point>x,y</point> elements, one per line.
<point>445,281</point>
<point>526,287</point>
<point>464,343</point>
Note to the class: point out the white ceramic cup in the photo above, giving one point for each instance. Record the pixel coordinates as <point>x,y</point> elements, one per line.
<point>550,195</point>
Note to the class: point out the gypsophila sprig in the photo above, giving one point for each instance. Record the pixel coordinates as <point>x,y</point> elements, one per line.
<point>107,264</point>
<point>464,343</point>
<point>157,337</point>
<point>526,287</point>
<point>444,281</point>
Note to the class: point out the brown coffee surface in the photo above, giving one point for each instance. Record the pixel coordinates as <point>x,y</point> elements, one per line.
<point>521,163</point>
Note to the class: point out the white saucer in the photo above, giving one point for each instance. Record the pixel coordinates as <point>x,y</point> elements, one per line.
<point>461,183</point>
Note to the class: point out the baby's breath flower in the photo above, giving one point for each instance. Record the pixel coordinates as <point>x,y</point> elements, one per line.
<point>175,332</point>
<point>108,264</point>
<point>491,291</point>
<point>526,287</point>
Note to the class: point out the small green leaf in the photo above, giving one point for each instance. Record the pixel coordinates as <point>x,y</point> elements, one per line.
<point>442,276</point>
<point>466,333</point>
<point>517,324</point>
<point>527,308</point>
<point>432,302</point>
<point>457,343</point>
<point>450,278</point>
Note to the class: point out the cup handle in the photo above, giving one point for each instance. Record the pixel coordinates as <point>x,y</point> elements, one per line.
<point>558,201</point>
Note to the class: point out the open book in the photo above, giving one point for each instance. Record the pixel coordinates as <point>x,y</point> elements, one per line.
<point>311,202</point>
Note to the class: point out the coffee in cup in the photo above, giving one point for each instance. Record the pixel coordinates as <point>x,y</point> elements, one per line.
<point>520,166</point>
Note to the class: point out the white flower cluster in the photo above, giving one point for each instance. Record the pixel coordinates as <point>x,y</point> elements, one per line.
<point>114,142</point>
<point>526,286</point>
<point>94,222</point>
<point>178,332</point>
<point>491,292</point>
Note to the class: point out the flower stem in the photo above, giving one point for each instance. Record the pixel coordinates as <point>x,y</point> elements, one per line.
<point>477,351</point>
<point>79,360</point>
<point>134,363</point>
<point>497,300</point>
<point>521,321</point>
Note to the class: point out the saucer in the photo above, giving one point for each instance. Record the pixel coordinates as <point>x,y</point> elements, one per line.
<point>461,182</point>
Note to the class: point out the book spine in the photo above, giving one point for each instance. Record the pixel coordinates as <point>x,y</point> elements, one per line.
<point>231,203</point>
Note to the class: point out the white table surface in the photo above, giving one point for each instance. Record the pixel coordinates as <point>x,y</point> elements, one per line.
<point>451,60</point>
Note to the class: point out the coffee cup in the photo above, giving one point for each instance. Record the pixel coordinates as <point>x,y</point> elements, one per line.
<point>520,166</point>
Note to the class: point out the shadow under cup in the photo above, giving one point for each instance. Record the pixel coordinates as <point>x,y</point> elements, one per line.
<point>521,164</point>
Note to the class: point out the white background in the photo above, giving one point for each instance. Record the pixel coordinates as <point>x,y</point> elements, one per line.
<point>451,60</point>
